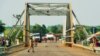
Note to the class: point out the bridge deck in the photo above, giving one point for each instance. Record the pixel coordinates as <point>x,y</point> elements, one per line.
<point>52,49</point>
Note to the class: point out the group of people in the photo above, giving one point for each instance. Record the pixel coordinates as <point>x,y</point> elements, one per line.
<point>50,39</point>
<point>34,42</point>
<point>5,42</point>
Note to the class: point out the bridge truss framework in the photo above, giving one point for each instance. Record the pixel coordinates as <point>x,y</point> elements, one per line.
<point>49,9</point>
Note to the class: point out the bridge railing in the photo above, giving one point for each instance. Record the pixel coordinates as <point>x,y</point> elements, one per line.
<point>11,49</point>
<point>15,48</point>
<point>2,51</point>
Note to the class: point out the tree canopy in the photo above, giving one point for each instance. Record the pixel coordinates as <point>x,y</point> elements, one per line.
<point>39,29</point>
<point>2,28</point>
<point>55,29</point>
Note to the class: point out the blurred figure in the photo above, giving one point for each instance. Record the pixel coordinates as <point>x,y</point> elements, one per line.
<point>45,39</point>
<point>3,42</point>
<point>7,42</point>
<point>56,39</point>
<point>17,40</point>
<point>36,42</point>
<point>31,45</point>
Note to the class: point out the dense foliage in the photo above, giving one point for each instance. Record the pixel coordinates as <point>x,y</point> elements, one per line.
<point>56,29</point>
<point>2,28</point>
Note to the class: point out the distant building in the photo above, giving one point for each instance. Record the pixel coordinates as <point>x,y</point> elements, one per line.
<point>35,35</point>
<point>50,35</point>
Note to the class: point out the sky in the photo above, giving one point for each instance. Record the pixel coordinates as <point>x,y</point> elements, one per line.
<point>87,11</point>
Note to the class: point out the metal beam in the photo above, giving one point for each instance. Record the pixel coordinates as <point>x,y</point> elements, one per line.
<point>69,25</point>
<point>33,9</point>
<point>48,9</point>
<point>47,3</point>
<point>11,30</point>
<point>84,30</point>
<point>26,26</point>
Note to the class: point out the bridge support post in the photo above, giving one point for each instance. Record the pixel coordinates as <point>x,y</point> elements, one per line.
<point>26,28</point>
<point>69,26</point>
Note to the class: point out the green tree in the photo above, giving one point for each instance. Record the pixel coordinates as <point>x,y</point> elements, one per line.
<point>36,28</point>
<point>2,28</point>
<point>55,29</point>
<point>59,28</point>
<point>39,29</point>
<point>98,28</point>
<point>44,30</point>
<point>79,34</point>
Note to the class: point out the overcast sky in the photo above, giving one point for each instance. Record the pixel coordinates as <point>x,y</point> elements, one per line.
<point>87,11</point>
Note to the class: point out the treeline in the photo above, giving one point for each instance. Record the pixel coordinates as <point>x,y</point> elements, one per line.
<point>80,34</point>
<point>2,27</point>
<point>45,29</point>
<point>56,29</point>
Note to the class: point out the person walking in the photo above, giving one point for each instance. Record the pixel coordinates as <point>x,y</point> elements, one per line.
<point>7,42</point>
<point>3,42</point>
<point>36,42</point>
<point>31,45</point>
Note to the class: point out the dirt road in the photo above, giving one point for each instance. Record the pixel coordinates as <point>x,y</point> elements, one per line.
<point>53,49</point>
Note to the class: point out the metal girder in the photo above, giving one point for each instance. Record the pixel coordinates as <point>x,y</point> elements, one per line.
<point>11,30</point>
<point>47,12</point>
<point>49,9</point>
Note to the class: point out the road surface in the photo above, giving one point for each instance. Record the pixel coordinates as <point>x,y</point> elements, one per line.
<point>53,49</point>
